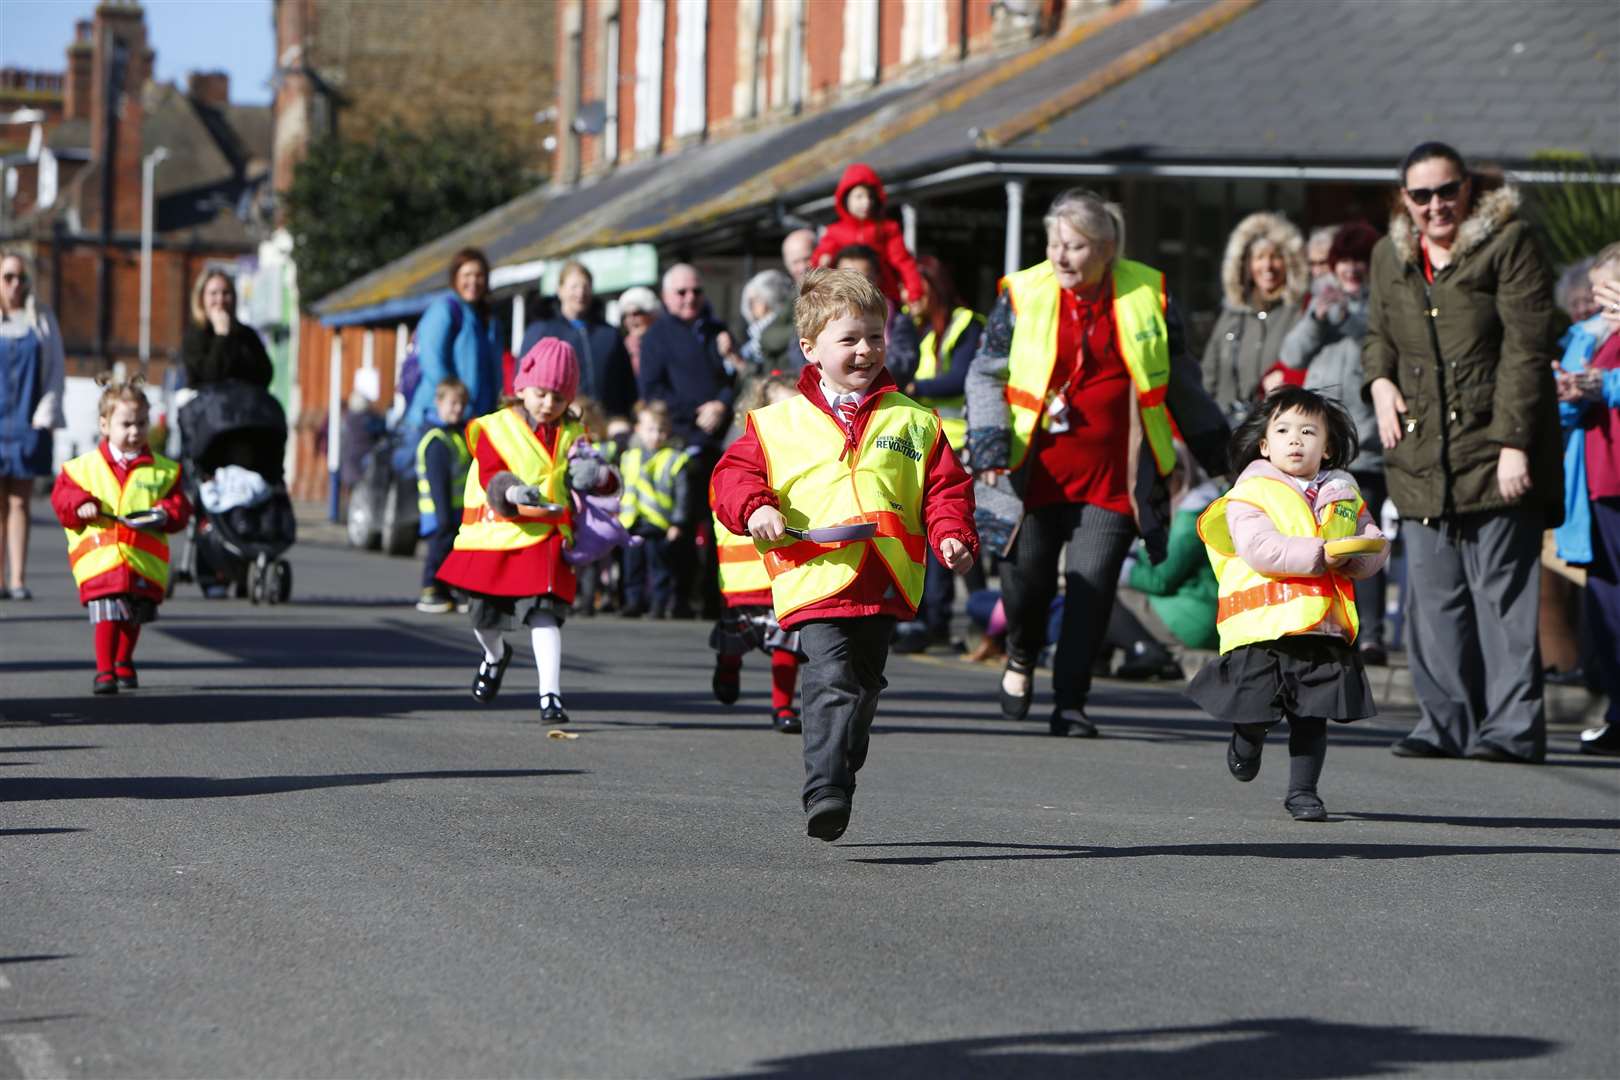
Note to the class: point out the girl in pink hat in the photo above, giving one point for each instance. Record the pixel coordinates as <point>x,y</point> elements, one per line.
<point>517,520</point>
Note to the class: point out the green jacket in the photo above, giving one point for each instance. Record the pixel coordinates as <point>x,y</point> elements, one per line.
<point>1181,590</point>
<point>1489,384</point>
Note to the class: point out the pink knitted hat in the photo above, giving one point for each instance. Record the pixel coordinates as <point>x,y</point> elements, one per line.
<point>550,365</point>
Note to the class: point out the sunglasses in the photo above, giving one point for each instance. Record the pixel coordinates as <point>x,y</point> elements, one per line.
<point>13,277</point>
<point>1446,193</point>
<point>697,291</point>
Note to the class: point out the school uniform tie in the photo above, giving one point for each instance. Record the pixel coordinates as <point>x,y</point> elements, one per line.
<point>846,411</point>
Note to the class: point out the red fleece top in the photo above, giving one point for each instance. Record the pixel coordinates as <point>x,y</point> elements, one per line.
<point>67,497</point>
<point>1089,463</point>
<point>538,570</point>
<point>1603,436</point>
<point>875,231</point>
<point>740,486</point>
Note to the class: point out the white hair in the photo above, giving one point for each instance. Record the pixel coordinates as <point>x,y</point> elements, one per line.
<point>773,287</point>
<point>640,299</point>
<point>1089,214</point>
<point>663,283</point>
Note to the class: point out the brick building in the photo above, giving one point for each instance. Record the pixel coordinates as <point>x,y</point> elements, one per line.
<point>76,201</point>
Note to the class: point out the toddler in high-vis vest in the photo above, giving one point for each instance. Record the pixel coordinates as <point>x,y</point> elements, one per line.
<point>657,507</point>
<point>116,503</point>
<point>518,517</point>
<point>442,462</point>
<point>1286,615</point>
<point>848,449</point>
<point>748,622</point>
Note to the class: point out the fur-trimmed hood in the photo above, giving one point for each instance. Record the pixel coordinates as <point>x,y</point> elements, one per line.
<point>1492,211</point>
<point>1281,232</point>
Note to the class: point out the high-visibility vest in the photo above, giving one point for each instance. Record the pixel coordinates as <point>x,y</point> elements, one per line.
<point>820,482</point>
<point>509,432</point>
<point>460,460</point>
<point>932,366</point>
<point>649,485</point>
<point>1255,607</point>
<point>102,543</point>
<point>742,567</point>
<point>1144,343</point>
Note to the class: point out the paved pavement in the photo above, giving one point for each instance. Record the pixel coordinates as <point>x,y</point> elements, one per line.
<point>301,850</point>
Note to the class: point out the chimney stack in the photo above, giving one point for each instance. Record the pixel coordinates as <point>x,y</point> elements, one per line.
<point>211,88</point>
<point>80,64</point>
<point>121,66</point>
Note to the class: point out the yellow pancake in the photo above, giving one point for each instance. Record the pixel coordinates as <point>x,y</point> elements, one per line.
<point>1354,546</point>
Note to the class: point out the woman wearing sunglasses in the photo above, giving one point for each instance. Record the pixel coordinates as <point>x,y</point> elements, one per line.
<point>1458,366</point>
<point>31,382</point>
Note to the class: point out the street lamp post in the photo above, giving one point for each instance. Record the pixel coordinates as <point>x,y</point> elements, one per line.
<point>148,174</point>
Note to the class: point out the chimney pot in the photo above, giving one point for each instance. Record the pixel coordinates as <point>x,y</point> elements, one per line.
<point>211,88</point>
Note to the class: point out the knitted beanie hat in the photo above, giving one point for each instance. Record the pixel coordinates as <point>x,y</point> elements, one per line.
<point>1353,243</point>
<point>550,365</point>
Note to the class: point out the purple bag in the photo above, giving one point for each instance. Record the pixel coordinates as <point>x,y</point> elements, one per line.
<point>597,529</point>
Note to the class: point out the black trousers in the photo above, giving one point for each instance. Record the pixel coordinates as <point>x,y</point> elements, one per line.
<point>1370,591</point>
<point>1097,541</point>
<point>842,677</point>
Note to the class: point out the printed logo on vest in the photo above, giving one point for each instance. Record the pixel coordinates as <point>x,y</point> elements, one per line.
<point>898,445</point>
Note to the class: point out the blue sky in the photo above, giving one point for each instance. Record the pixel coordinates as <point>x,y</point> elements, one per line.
<point>232,35</point>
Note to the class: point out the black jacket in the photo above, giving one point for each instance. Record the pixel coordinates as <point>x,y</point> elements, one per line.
<point>605,374</point>
<point>210,358</point>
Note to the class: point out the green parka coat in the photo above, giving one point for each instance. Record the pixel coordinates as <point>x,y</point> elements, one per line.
<point>1472,355</point>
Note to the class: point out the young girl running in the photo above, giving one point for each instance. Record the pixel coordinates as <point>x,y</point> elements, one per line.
<point>1287,609</point>
<point>749,621</point>
<point>517,520</point>
<point>116,502</point>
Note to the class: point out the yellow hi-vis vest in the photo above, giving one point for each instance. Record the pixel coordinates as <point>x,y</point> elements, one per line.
<point>649,485</point>
<point>460,459</point>
<point>742,568</point>
<point>102,543</point>
<point>1144,343</point>
<point>933,364</point>
<point>1254,607</point>
<point>509,432</point>
<point>819,482</point>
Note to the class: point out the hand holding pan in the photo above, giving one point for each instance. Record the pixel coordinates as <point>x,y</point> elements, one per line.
<point>525,498</point>
<point>836,534</point>
<point>145,519</point>
<point>1355,545</point>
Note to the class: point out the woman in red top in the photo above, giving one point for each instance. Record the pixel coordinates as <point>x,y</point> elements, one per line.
<point>1087,483</point>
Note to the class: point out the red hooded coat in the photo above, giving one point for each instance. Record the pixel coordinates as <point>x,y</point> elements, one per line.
<point>876,232</point>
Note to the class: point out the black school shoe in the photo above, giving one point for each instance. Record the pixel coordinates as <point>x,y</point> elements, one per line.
<point>105,683</point>
<point>1016,706</point>
<point>1305,806</point>
<point>727,684</point>
<point>828,815</point>
<point>129,681</point>
<point>1603,740</point>
<point>487,683</point>
<point>1071,724</point>
<point>786,720</point>
<point>551,710</point>
<point>1416,748</point>
<point>1245,769</point>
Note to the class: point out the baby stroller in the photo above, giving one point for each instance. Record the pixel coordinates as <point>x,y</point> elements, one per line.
<point>232,440</point>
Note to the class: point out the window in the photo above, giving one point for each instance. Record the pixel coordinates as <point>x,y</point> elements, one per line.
<point>691,92</point>
<point>649,74</point>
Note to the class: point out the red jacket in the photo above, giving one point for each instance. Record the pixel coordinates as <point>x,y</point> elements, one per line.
<point>876,232</point>
<point>739,487</point>
<point>67,497</point>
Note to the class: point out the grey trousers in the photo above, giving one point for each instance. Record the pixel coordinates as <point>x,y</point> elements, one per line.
<point>842,677</point>
<point>1474,594</point>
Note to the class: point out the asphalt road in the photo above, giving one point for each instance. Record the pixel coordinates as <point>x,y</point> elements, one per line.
<point>302,850</point>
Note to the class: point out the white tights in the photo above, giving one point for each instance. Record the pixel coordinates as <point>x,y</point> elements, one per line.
<point>546,637</point>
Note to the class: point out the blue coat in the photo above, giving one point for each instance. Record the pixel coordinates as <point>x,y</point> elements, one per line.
<point>452,340</point>
<point>1574,536</point>
<point>681,366</point>
<point>605,374</point>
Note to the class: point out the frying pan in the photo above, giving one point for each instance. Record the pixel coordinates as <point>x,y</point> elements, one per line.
<point>143,519</point>
<point>836,534</point>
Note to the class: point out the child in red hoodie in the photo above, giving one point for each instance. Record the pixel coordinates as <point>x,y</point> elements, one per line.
<point>848,449</point>
<point>861,203</point>
<point>116,502</point>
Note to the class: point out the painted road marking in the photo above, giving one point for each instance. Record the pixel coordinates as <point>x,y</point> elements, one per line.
<point>34,1057</point>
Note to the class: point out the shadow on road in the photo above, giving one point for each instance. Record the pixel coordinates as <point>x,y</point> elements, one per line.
<point>1268,1049</point>
<point>206,706</point>
<point>208,787</point>
<point>991,852</point>
<point>1610,824</point>
<point>33,832</point>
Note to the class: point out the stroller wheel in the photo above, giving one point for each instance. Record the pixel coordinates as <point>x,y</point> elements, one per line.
<point>280,587</point>
<point>258,592</point>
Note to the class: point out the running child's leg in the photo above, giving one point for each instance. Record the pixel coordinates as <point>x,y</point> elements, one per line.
<point>1307,750</point>
<point>546,636</point>
<point>106,637</point>
<point>124,659</point>
<point>784,678</point>
<point>1243,752</point>
<point>493,642</point>
<point>871,655</point>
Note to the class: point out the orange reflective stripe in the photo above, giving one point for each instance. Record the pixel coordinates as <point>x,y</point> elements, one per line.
<point>1272,594</point>
<point>120,534</point>
<point>729,553</point>
<point>1023,399</point>
<point>890,526</point>
<point>486,513</point>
